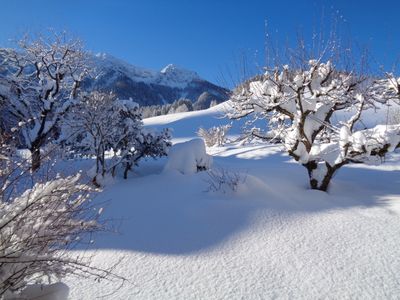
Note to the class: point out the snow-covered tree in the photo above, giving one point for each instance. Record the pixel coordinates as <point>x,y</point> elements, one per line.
<point>300,106</point>
<point>102,124</point>
<point>180,105</point>
<point>89,128</point>
<point>131,141</point>
<point>40,83</point>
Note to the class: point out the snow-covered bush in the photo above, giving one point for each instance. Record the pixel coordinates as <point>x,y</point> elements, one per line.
<point>146,144</point>
<point>36,229</point>
<point>102,124</point>
<point>222,180</point>
<point>204,101</point>
<point>300,105</point>
<point>41,218</point>
<point>214,136</point>
<point>189,157</point>
<point>39,85</point>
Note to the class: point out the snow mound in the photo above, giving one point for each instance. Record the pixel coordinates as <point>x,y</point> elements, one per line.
<point>56,291</point>
<point>189,157</point>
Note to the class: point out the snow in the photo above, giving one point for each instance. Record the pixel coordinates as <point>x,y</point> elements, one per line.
<point>171,75</point>
<point>188,157</point>
<point>56,291</point>
<point>274,238</point>
<point>104,61</point>
<point>185,125</point>
<point>177,77</point>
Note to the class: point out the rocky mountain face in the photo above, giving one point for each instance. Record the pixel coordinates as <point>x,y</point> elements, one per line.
<point>148,87</point>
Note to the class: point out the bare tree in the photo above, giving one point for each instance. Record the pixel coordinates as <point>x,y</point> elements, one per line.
<point>40,85</point>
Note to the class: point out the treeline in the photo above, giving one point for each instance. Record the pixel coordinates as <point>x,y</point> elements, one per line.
<point>181,105</point>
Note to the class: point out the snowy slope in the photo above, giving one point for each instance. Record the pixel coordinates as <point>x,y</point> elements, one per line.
<point>274,238</point>
<point>185,125</point>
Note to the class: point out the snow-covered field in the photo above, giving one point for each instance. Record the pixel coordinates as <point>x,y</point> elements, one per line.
<point>273,238</point>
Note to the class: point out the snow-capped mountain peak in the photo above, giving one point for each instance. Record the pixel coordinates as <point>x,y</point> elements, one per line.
<point>148,87</point>
<point>104,61</point>
<point>175,76</point>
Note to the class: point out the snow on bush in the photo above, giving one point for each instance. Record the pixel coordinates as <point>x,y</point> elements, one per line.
<point>146,144</point>
<point>189,157</point>
<point>215,136</point>
<point>38,226</point>
<point>299,104</point>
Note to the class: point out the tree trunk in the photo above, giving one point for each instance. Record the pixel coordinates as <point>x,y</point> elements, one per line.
<point>128,167</point>
<point>95,183</point>
<point>113,170</point>
<point>323,184</point>
<point>35,158</point>
<point>320,174</point>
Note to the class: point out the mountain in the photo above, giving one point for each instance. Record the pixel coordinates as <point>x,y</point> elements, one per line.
<point>148,87</point>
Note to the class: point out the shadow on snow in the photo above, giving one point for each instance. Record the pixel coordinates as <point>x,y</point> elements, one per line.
<point>170,213</point>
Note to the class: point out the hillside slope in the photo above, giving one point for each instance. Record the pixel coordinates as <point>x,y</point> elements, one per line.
<point>273,238</point>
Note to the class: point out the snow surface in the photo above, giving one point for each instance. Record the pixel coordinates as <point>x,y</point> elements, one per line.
<point>274,238</point>
<point>56,291</point>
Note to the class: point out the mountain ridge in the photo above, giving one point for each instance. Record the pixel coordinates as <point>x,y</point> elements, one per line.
<point>148,87</point>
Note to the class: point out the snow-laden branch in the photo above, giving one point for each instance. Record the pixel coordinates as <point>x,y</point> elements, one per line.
<point>36,228</point>
<point>40,84</point>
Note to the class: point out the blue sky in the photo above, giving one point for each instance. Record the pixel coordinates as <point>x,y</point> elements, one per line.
<point>207,36</point>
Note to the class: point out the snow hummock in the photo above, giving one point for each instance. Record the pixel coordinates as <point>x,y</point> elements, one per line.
<point>275,238</point>
<point>188,157</point>
<point>55,291</point>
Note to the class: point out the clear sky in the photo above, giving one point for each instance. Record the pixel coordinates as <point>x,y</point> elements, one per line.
<point>206,36</point>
